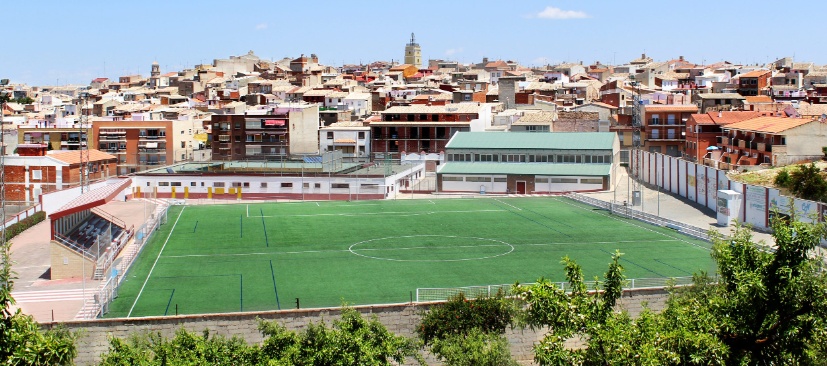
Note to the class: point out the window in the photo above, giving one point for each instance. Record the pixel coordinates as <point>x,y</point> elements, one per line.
<point>541,180</point>
<point>263,185</point>
<point>192,184</point>
<point>564,180</point>
<point>37,174</point>
<point>330,135</point>
<point>237,138</point>
<point>163,184</point>
<point>223,138</point>
<point>305,185</point>
<point>478,179</point>
<point>246,185</point>
<point>175,184</point>
<point>183,144</point>
<point>286,185</point>
<point>340,185</point>
<point>500,180</point>
<point>218,184</point>
<point>591,181</point>
<point>237,125</point>
<point>449,178</point>
<point>317,185</point>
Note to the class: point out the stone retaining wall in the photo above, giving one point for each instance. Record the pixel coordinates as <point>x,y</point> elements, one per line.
<point>400,319</point>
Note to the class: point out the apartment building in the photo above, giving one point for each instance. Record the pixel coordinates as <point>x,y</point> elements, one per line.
<point>777,141</point>
<point>663,127</point>
<point>140,145</point>
<point>55,138</point>
<point>422,127</point>
<point>289,129</point>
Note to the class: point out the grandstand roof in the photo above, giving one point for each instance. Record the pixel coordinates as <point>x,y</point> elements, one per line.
<point>533,140</point>
<point>526,168</point>
<point>93,198</point>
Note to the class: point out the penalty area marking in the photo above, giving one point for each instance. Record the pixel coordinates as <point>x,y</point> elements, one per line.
<point>172,230</point>
<point>500,243</point>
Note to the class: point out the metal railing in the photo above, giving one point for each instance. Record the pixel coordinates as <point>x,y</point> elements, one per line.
<point>445,293</point>
<point>629,212</point>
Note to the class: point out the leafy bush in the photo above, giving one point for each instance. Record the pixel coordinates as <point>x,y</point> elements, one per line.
<point>24,224</point>
<point>353,340</point>
<point>806,182</point>
<point>782,179</point>
<point>490,314</point>
<point>472,349</point>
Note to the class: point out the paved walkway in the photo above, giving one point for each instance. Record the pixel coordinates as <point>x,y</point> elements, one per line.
<point>35,292</point>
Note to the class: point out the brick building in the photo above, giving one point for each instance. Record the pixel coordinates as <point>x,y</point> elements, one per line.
<point>140,145</point>
<point>426,128</point>
<point>288,130</point>
<point>753,82</point>
<point>33,172</point>
<point>705,130</point>
<point>663,127</point>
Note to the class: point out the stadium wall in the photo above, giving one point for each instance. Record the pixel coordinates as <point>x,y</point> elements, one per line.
<point>699,183</point>
<point>400,319</point>
<point>264,187</point>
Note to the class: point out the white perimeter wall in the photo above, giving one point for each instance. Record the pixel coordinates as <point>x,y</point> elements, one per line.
<point>699,184</point>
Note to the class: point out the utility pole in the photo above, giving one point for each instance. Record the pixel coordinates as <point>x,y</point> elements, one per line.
<point>83,132</point>
<point>637,140</point>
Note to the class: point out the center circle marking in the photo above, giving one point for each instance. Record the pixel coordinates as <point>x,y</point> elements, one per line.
<point>354,248</point>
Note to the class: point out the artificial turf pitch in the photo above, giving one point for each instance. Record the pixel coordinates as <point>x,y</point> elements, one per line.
<point>240,257</point>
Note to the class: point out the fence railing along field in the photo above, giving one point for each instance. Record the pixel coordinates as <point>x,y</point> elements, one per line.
<point>629,212</point>
<point>443,294</point>
<point>108,290</point>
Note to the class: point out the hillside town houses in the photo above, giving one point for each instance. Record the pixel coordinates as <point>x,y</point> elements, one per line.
<point>253,109</point>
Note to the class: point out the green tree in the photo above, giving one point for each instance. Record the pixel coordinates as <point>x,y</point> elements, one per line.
<point>806,182</point>
<point>766,308</point>
<point>352,340</point>
<point>22,342</point>
<point>782,179</point>
<point>469,332</point>
<point>473,348</point>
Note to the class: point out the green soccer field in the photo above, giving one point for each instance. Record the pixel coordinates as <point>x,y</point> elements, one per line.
<point>228,258</point>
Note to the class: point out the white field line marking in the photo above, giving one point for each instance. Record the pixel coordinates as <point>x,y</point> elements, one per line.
<point>318,205</point>
<point>329,251</point>
<point>389,249</point>
<point>172,230</point>
<point>631,222</point>
<point>432,202</point>
<point>248,210</point>
<point>403,213</point>
<point>509,205</point>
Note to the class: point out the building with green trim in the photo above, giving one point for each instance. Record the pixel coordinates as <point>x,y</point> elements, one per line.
<point>527,163</point>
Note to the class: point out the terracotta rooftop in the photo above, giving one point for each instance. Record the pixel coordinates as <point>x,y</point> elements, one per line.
<point>759,99</point>
<point>754,74</point>
<point>769,124</point>
<point>73,157</point>
<point>724,117</point>
<point>673,108</point>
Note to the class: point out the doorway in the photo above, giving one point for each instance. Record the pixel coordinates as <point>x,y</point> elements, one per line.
<point>520,187</point>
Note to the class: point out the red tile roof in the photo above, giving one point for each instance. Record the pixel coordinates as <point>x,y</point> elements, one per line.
<point>770,124</point>
<point>754,74</point>
<point>724,117</point>
<point>73,157</point>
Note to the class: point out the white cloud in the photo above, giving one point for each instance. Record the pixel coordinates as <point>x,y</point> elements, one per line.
<point>453,51</point>
<point>551,12</point>
<point>261,26</point>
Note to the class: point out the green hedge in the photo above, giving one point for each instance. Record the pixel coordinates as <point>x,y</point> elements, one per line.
<point>24,224</point>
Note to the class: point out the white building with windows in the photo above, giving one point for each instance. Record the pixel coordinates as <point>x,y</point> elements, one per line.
<point>351,138</point>
<point>526,163</point>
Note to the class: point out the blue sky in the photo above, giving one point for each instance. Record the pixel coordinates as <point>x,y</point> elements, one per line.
<point>49,42</point>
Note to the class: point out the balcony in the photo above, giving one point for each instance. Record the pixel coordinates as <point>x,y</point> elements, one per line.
<point>662,122</point>
<point>664,137</point>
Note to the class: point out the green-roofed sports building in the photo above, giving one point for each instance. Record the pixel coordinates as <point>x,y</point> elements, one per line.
<point>526,163</point>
